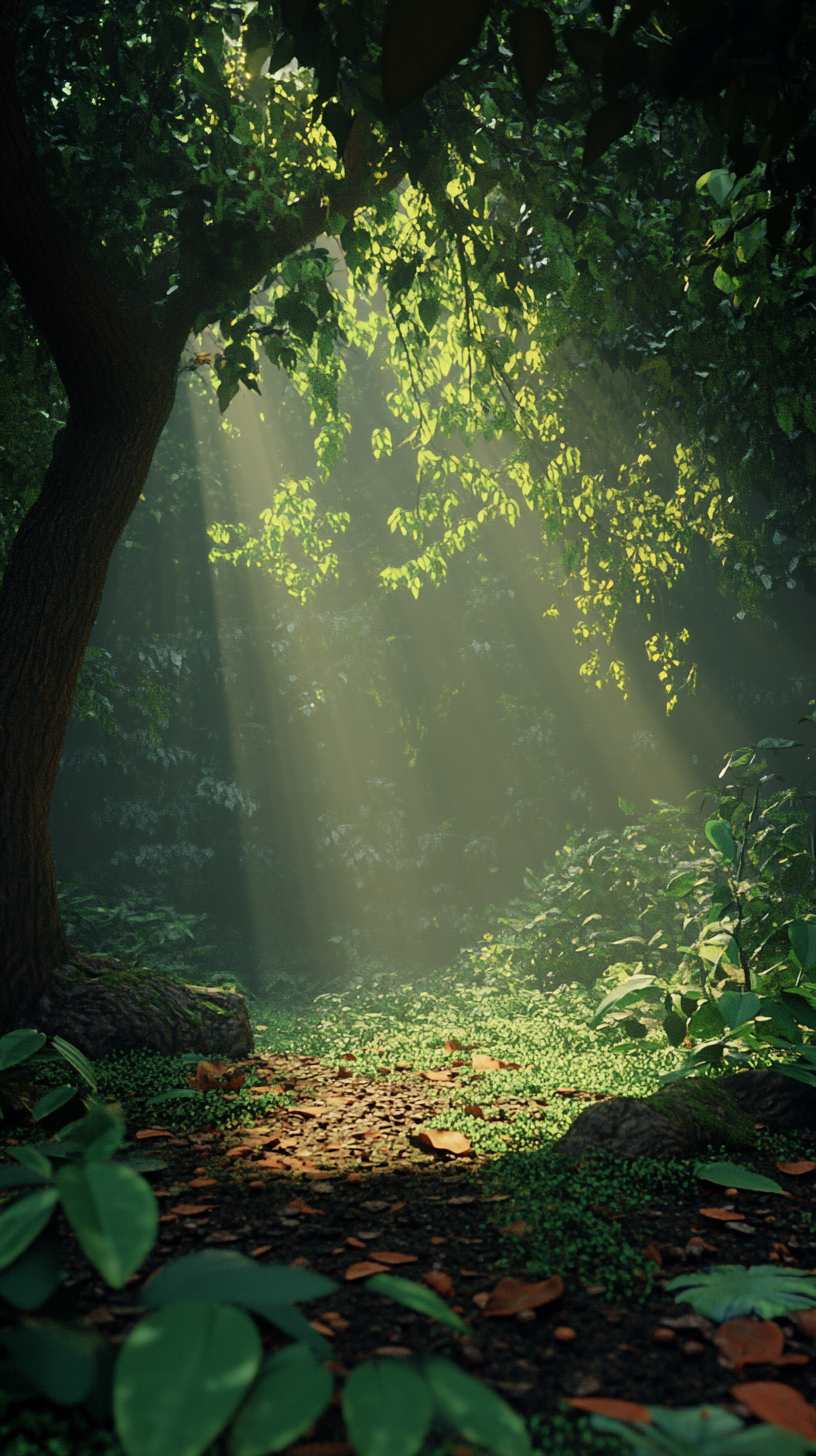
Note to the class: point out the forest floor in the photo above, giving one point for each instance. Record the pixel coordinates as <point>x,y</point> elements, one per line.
<point>323,1161</point>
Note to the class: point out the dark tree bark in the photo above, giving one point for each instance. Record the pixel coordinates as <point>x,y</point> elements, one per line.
<point>118,367</point>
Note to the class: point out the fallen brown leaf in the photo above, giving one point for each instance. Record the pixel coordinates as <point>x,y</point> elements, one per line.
<point>441,1140</point>
<point>607,1405</point>
<point>722,1215</point>
<point>473,1110</point>
<point>512,1295</point>
<point>747,1341</point>
<point>564,1333</point>
<point>453,1045</point>
<point>393,1258</point>
<point>262,1249</point>
<point>152,1132</point>
<point>483,1063</point>
<point>436,1076</point>
<point>395,1207</point>
<point>806,1322</point>
<point>796,1169</point>
<point>299,1205</point>
<point>653,1255</point>
<point>779,1405</point>
<point>202,1182</point>
<point>336,1320</point>
<point>355,1243</point>
<point>364,1269</point>
<point>437,1280</point>
<point>243,1150</point>
<point>518,1228</point>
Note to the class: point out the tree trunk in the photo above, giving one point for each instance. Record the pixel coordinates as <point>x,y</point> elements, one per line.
<point>49,599</point>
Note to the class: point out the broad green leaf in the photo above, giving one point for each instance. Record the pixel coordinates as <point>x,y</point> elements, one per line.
<point>718,832</point>
<point>802,936</point>
<point>143,1163</point>
<point>626,994</point>
<point>18,1046</point>
<point>737,1007</point>
<point>76,1059</point>
<point>682,884</point>
<point>477,1412</point>
<point>777,743</point>
<point>387,1407</point>
<point>797,1074</point>
<point>288,1318</point>
<point>418,1297</point>
<point>59,1360</point>
<point>730,1290</point>
<point>20,1178</point>
<point>800,1007</point>
<point>99,1133</point>
<point>57,1097</point>
<point>23,1222</point>
<point>180,1376</point>
<point>113,1213</point>
<point>33,1277</point>
<point>675,1027</point>
<point>33,1158</point>
<point>783,1022</point>
<point>731,1175</point>
<point>706,1023</point>
<point>293,1389</point>
<point>718,183</point>
<point>231,1278</point>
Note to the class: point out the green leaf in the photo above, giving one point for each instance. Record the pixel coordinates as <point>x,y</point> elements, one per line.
<point>718,832</point>
<point>737,1007</point>
<point>289,1319</point>
<point>114,1215</point>
<point>98,1134</point>
<point>143,1162</point>
<point>23,1222</point>
<point>60,1361</point>
<point>706,1023</point>
<point>730,1290</point>
<point>180,1376</point>
<point>417,1297</point>
<point>682,884</point>
<point>802,936</point>
<point>230,1278</point>
<point>731,1175</point>
<point>387,1407</point>
<point>705,1431</point>
<point>18,1046</point>
<point>624,995</point>
<point>57,1097</point>
<point>478,1413</point>
<point>292,1390</point>
<point>33,1158</point>
<point>675,1027</point>
<point>76,1059</point>
<point>33,1277</point>
<point>20,1178</point>
<point>718,183</point>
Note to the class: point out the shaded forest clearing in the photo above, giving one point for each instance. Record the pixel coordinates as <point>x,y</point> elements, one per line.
<point>558,1268</point>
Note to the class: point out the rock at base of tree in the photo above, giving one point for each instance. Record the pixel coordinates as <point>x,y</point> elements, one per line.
<point>686,1117</point>
<point>104,1007</point>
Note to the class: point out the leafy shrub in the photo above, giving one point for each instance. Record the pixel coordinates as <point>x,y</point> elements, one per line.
<point>25,1052</point>
<point>730,1290</point>
<point>138,931</point>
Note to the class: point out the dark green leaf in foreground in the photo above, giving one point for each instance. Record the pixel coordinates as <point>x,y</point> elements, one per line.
<point>33,1158</point>
<point>802,936</point>
<point>60,1361</point>
<point>57,1097</point>
<point>417,1297</point>
<point>292,1390</point>
<point>76,1059</point>
<point>180,1376</point>
<point>113,1213</point>
<point>20,1178</point>
<point>705,1431</point>
<point>33,1277</point>
<point>478,1413</point>
<point>718,832</point>
<point>143,1163</point>
<point>18,1046</point>
<point>737,1007</point>
<point>231,1278</point>
<point>20,1224</point>
<point>288,1318</point>
<point>730,1290</point>
<point>387,1406</point>
<point>731,1175</point>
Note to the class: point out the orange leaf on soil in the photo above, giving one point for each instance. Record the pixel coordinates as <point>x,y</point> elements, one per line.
<point>389,1258</point>
<point>436,1076</point>
<point>395,1207</point>
<point>453,1045</point>
<point>322,1329</point>
<point>796,1169</point>
<point>444,1141</point>
<point>564,1333</point>
<point>336,1320</point>
<point>274,1165</point>
<point>261,1249</point>
<point>202,1182</point>
<point>779,1405</point>
<point>722,1214</point>
<point>519,1228</point>
<point>473,1111</point>
<point>607,1405</point>
<point>208,1075</point>
<point>439,1281</point>
<point>299,1205</point>
<point>748,1341</point>
<point>512,1295</point>
<point>364,1269</point>
<point>806,1322</point>
<point>355,1243</point>
<point>242,1151</point>
<point>652,1253</point>
<point>300,1263</point>
<point>188,1209</point>
<point>151,1132</point>
<point>348,1057</point>
<point>483,1063</point>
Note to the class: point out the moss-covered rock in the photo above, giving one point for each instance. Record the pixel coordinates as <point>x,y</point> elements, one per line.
<point>103,1007</point>
<point>686,1117</point>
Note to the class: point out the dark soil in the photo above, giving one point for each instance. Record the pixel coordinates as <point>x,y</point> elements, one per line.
<point>355,1186</point>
